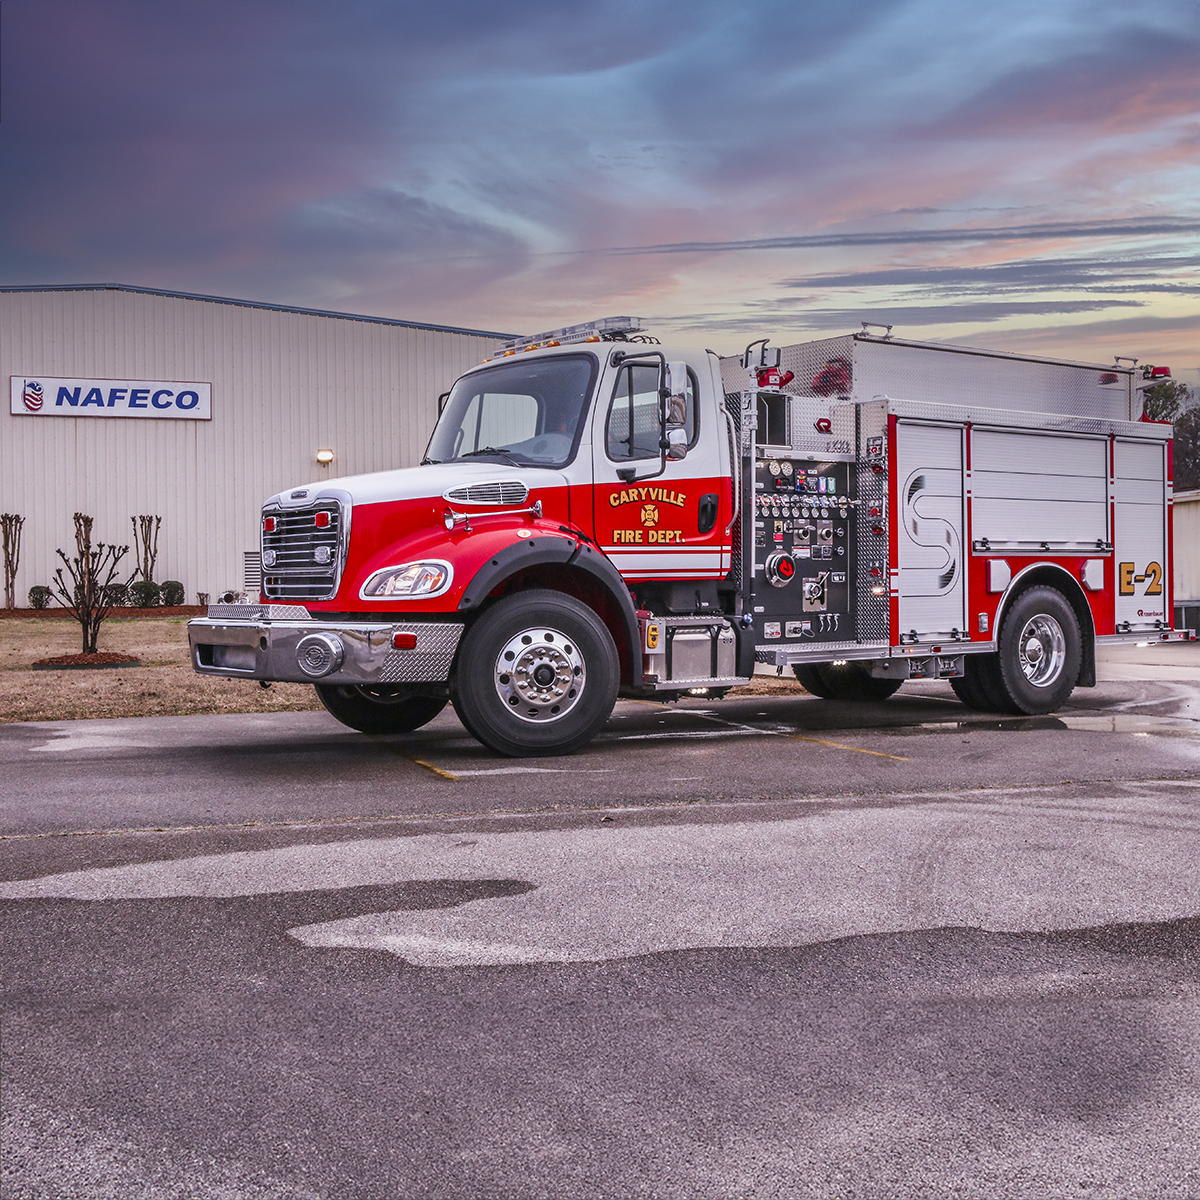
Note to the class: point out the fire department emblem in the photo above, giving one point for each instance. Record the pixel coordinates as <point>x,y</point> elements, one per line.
<point>32,395</point>
<point>650,515</point>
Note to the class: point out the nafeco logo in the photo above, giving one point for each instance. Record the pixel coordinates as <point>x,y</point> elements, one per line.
<point>32,395</point>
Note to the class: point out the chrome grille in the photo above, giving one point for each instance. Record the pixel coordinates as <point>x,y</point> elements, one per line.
<point>507,491</point>
<point>307,558</point>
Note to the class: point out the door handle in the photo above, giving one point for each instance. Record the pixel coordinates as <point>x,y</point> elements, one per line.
<point>707,513</point>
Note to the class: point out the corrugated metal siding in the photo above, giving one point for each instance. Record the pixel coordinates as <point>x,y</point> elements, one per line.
<point>1186,541</point>
<point>284,385</point>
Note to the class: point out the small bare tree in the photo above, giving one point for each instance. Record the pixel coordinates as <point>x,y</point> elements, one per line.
<point>10,527</point>
<point>92,570</point>
<point>145,536</point>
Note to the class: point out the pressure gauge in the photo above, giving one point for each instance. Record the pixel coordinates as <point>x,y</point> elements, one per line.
<point>773,467</point>
<point>786,468</point>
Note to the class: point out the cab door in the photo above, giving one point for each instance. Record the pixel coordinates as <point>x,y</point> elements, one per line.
<point>656,522</point>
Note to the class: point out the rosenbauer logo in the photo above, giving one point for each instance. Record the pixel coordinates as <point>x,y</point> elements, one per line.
<point>32,395</point>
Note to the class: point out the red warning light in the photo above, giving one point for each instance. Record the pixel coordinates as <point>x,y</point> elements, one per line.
<point>268,524</point>
<point>321,520</point>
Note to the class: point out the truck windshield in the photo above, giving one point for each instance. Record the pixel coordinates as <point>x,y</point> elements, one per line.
<point>528,413</point>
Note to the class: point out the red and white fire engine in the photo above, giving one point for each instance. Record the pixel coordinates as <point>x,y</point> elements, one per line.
<point>597,515</point>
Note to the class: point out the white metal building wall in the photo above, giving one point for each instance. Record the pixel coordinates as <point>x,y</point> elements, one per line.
<point>1185,540</point>
<point>284,384</point>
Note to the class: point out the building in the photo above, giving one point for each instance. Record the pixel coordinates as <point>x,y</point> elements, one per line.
<point>127,400</point>
<point>1185,545</point>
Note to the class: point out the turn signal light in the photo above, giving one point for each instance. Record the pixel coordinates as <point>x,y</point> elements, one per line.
<point>404,641</point>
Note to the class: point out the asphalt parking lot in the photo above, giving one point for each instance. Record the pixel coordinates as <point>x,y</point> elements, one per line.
<point>770,946</point>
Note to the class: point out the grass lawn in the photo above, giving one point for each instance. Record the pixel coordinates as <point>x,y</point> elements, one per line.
<point>164,685</point>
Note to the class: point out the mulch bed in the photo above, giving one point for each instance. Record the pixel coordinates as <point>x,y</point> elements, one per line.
<point>179,610</point>
<point>78,662</point>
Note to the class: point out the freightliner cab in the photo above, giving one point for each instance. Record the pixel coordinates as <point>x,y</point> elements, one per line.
<point>598,515</point>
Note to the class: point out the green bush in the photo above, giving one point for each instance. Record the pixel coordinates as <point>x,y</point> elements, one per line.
<point>116,595</point>
<point>39,596</point>
<point>144,593</point>
<point>173,593</point>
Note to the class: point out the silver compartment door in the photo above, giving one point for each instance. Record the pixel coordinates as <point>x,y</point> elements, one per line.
<point>1028,489</point>
<point>930,521</point>
<point>1139,540</point>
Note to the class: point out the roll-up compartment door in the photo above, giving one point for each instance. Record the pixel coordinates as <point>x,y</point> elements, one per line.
<point>929,476</point>
<point>1033,489</point>
<point>1140,542</point>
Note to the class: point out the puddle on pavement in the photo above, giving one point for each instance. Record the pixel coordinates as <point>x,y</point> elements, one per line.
<point>1113,723</point>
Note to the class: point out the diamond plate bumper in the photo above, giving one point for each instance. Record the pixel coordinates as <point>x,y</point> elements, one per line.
<point>263,641</point>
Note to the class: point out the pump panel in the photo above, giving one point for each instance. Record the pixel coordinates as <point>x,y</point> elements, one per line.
<point>804,552</point>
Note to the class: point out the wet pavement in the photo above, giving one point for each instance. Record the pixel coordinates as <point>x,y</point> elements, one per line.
<point>771,946</point>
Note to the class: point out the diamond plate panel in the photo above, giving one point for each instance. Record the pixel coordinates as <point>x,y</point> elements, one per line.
<point>258,612</point>
<point>872,614</point>
<point>430,661</point>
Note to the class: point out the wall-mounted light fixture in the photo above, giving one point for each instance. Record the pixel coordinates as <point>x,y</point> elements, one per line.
<point>324,457</point>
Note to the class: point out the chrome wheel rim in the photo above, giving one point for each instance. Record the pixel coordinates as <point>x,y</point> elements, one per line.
<point>540,675</point>
<point>1042,650</point>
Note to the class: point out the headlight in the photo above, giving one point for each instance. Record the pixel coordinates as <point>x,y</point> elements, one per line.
<point>408,580</point>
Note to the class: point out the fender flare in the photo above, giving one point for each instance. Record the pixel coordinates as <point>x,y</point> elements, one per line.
<point>1055,575</point>
<point>566,551</point>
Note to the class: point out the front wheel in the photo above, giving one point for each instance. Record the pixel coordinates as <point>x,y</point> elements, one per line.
<point>379,709</point>
<point>1037,663</point>
<point>844,681</point>
<point>537,674</point>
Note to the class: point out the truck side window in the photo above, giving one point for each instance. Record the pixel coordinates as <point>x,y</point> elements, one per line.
<point>633,422</point>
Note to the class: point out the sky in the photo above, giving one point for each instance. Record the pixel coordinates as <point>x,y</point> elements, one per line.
<point>1020,174</point>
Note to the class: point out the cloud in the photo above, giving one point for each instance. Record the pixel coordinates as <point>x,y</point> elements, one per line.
<point>541,164</point>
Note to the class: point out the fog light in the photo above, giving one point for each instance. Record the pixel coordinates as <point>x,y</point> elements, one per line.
<point>320,654</point>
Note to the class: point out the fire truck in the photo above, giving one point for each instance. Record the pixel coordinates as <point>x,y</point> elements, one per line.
<point>598,515</point>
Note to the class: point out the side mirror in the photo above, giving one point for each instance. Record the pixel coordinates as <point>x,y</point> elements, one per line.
<point>442,402</point>
<point>677,444</point>
<point>677,379</point>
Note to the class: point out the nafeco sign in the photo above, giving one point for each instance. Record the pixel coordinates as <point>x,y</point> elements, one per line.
<point>42,396</point>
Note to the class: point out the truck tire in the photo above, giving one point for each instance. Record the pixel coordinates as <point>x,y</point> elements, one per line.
<point>379,709</point>
<point>811,680</point>
<point>537,674</point>
<point>974,687</point>
<point>844,681</point>
<point>1037,664</point>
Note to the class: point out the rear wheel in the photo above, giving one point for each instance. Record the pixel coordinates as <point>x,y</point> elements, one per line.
<point>844,681</point>
<point>537,674</point>
<point>972,686</point>
<point>371,708</point>
<point>1037,663</point>
<point>811,680</point>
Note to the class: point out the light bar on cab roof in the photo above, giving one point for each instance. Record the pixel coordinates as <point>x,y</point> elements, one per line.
<point>589,331</point>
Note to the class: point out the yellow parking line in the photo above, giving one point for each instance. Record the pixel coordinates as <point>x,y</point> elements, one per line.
<point>841,746</point>
<point>420,762</point>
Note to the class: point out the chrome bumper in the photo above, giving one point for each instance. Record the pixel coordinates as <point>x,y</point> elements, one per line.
<point>283,642</point>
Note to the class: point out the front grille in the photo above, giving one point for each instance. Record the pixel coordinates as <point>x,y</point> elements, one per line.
<point>507,491</point>
<point>298,546</point>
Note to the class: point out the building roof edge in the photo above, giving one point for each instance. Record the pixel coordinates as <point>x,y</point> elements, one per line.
<point>289,308</point>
